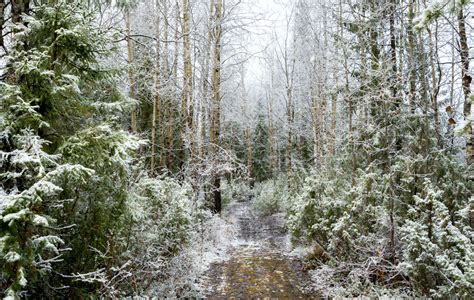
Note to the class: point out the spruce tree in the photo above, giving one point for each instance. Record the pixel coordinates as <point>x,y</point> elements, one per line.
<point>65,158</point>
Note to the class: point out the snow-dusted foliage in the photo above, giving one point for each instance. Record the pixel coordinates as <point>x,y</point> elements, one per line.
<point>64,161</point>
<point>165,214</point>
<point>170,241</point>
<point>437,244</point>
<point>30,195</point>
<point>409,219</point>
<point>345,123</point>
<point>77,217</point>
<point>435,10</point>
<point>236,190</point>
<point>271,196</point>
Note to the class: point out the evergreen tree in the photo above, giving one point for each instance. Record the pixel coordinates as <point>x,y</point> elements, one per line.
<point>66,162</point>
<point>261,149</point>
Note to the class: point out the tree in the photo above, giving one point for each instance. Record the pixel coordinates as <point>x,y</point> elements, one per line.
<point>62,172</point>
<point>261,151</point>
<point>216,99</point>
<point>187,106</point>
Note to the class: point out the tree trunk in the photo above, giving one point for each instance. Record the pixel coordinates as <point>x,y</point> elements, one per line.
<point>395,112</point>
<point>290,119</point>
<point>131,76</point>
<point>205,75</point>
<point>187,102</point>
<point>156,99</point>
<point>271,132</point>
<point>248,129</point>
<point>316,119</point>
<point>450,110</point>
<point>215,111</point>
<point>166,104</point>
<point>411,56</point>
<point>2,23</point>
<point>174,118</point>
<point>466,86</point>
<point>333,123</point>
<point>19,7</point>
<point>434,85</point>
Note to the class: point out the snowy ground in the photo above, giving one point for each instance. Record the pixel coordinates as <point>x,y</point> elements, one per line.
<point>257,263</point>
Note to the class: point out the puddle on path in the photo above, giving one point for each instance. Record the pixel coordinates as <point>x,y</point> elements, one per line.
<point>259,266</point>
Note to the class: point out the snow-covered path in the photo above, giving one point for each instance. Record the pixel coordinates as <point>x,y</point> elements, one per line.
<point>259,265</point>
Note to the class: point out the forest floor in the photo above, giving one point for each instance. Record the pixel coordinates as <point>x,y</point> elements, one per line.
<point>260,264</point>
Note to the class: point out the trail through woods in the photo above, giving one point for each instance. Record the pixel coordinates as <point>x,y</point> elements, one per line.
<point>260,266</point>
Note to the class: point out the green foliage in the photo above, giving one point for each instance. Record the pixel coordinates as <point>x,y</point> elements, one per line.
<point>64,162</point>
<point>271,196</point>
<point>99,209</point>
<point>166,213</point>
<point>438,9</point>
<point>235,190</point>
<point>30,192</point>
<point>261,151</point>
<point>163,220</point>
<point>437,245</point>
<point>55,68</point>
<point>332,212</point>
<point>422,189</point>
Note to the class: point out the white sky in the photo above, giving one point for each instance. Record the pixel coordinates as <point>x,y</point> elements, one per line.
<point>271,23</point>
<point>265,21</point>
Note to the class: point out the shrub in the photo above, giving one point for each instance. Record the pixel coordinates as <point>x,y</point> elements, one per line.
<point>271,196</point>
<point>235,190</point>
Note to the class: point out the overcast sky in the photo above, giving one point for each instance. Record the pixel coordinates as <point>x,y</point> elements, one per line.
<point>267,23</point>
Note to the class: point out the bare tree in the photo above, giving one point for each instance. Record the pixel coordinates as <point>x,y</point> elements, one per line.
<point>216,98</point>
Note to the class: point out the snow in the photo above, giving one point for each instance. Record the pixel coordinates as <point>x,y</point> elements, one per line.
<point>46,188</point>
<point>22,276</point>
<point>12,257</point>
<point>435,9</point>
<point>219,238</point>
<point>9,218</point>
<point>22,158</point>
<point>40,221</point>
<point>464,127</point>
<point>48,243</point>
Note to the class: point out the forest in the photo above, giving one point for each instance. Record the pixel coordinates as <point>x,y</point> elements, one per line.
<point>283,149</point>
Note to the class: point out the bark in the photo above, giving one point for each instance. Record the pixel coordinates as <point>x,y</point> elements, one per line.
<point>19,7</point>
<point>290,116</point>
<point>434,85</point>
<point>316,118</point>
<point>333,123</point>
<point>166,105</point>
<point>411,56</point>
<point>273,151</point>
<point>156,99</point>
<point>393,57</point>
<point>450,110</point>
<point>346,72</point>
<point>2,23</point>
<point>187,108</point>
<point>290,109</point>
<point>271,138</point>
<point>466,85</point>
<point>173,116</point>
<point>215,86</point>
<point>205,82</point>
<point>249,152</point>
<point>131,76</point>
<point>423,81</point>
<point>375,104</point>
<point>248,129</point>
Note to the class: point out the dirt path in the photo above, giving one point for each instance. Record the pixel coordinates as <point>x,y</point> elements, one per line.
<point>259,267</point>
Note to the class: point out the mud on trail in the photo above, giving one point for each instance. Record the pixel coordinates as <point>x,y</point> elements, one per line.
<point>259,265</point>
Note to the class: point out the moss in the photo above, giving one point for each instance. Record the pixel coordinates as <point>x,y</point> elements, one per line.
<point>263,275</point>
